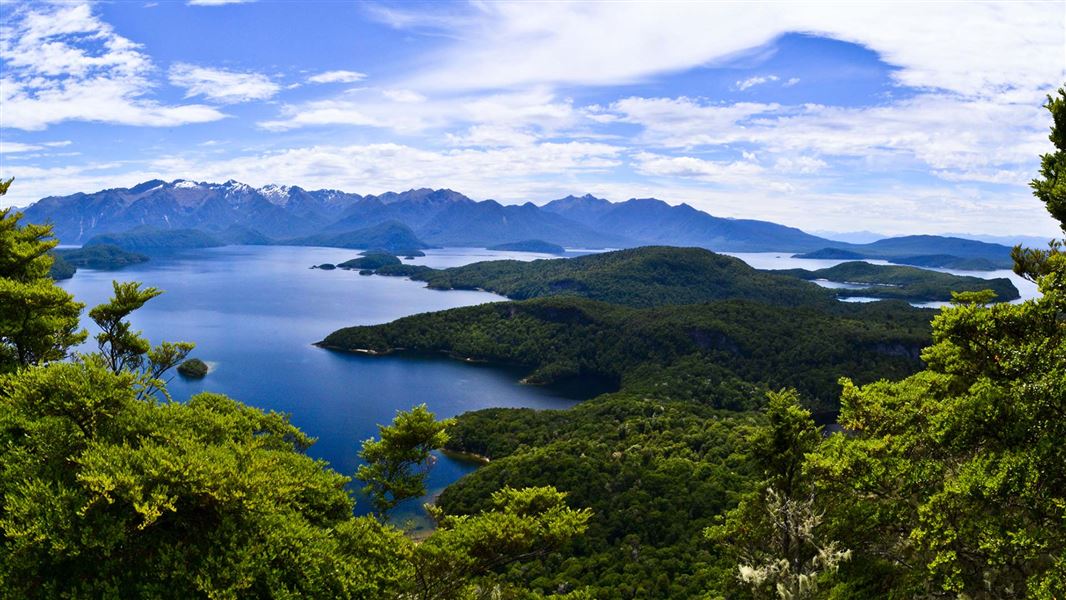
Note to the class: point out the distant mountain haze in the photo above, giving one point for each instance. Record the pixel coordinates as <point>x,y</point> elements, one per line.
<point>236,213</point>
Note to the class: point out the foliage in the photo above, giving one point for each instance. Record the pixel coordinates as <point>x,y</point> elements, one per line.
<point>639,277</point>
<point>397,463</point>
<point>123,349</point>
<point>774,534</point>
<point>905,283</point>
<point>653,473</point>
<point>38,321</point>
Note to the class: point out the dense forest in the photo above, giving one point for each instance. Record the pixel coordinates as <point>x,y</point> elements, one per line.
<point>706,474</point>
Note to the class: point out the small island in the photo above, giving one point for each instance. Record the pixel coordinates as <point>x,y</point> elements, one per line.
<point>407,253</point>
<point>193,368</point>
<point>538,246</point>
<point>369,262</point>
<point>103,257</point>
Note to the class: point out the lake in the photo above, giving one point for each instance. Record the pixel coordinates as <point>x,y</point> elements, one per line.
<point>254,311</point>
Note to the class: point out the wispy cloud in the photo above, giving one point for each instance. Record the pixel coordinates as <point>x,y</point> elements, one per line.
<point>216,2</point>
<point>754,81</point>
<point>337,77</point>
<point>220,85</point>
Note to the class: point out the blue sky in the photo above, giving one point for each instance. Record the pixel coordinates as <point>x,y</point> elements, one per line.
<point>890,117</point>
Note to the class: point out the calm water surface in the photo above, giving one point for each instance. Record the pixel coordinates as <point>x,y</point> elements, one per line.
<point>254,311</point>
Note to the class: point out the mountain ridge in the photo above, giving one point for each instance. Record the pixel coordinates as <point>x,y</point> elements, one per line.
<point>436,217</point>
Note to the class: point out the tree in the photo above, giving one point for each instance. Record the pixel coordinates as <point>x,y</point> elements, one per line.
<point>38,320</point>
<point>123,349</point>
<point>775,533</point>
<point>952,479</point>
<point>398,463</point>
<point>1049,188</point>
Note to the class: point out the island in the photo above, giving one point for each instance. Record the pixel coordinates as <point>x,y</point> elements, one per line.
<point>923,251</point>
<point>538,246</point>
<point>103,257</point>
<point>903,283</point>
<point>149,238</point>
<point>193,368</point>
<point>369,262</point>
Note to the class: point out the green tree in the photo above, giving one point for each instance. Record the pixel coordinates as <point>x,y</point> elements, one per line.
<point>952,481</point>
<point>1049,188</point>
<point>398,463</point>
<point>775,535</point>
<point>123,349</point>
<point>38,320</point>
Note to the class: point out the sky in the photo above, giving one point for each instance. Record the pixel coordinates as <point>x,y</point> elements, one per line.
<point>897,117</point>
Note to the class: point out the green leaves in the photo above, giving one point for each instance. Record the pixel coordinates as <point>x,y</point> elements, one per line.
<point>38,321</point>
<point>398,463</point>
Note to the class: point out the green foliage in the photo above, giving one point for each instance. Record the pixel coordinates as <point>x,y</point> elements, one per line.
<point>639,277</point>
<point>105,495</point>
<point>124,350</point>
<point>905,283</point>
<point>653,474</point>
<point>38,321</point>
<point>1050,187</point>
<point>520,525</point>
<point>397,463</point>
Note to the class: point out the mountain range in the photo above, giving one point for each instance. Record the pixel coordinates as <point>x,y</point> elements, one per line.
<point>234,212</point>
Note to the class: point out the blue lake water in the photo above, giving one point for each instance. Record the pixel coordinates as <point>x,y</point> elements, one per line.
<point>254,311</point>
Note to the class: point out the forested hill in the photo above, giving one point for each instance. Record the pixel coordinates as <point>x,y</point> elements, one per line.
<point>718,353</point>
<point>639,277</point>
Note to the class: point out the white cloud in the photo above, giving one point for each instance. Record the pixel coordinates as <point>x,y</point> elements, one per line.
<point>792,81</point>
<point>754,81</point>
<point>992,46</point>
<point>216,2</point>
<point>18,147</point>
<point>337,77</point>
<point>718,172</point>
<point>221,85</point>
<point>403,95</point>
<point>62,63</point>
<point>409,113</point>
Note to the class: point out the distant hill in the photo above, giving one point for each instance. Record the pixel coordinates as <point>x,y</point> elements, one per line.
<point>652,221</point>
<point>924,251</point>
<point>392,236</point>
<point>640,277</point>
<point>149,238</point>
<point>539,246</point>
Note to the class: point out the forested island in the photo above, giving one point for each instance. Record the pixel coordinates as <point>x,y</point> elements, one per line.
<point>66,261</point>
<point>904,283</point>
<point>539,246</point>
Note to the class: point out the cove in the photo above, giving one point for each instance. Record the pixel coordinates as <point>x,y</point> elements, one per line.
<point>254,313</point>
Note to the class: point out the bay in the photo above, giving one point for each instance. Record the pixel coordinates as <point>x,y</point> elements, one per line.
<point>255,311</point>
